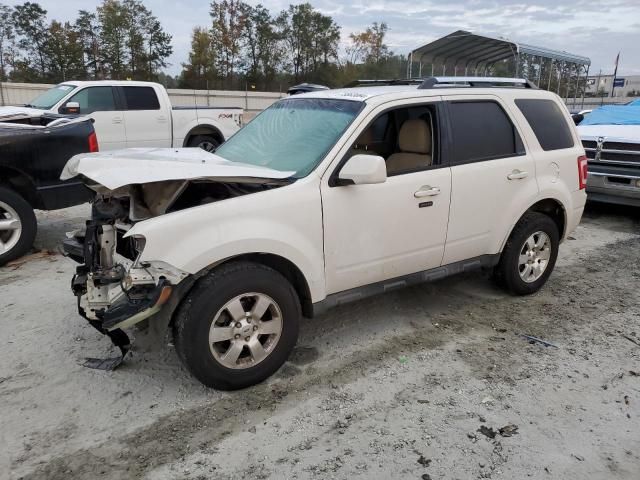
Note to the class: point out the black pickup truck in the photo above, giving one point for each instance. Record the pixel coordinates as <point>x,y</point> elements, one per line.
<point>33,152</point>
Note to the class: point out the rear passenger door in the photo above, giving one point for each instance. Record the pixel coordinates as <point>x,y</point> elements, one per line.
<point>147,125</point>
<point>492,176</point>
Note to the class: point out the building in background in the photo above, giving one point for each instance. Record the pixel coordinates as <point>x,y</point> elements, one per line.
<point>600,86</point>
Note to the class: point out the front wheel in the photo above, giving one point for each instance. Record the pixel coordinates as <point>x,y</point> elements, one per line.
<point>237,326</point>
<point>529,255</point>
<point>17,225</point>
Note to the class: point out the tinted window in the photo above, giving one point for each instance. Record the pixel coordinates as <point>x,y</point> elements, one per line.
<point>141,98</point>
<point>95,99</point>
<point>482,131</point>
<point>548,122</point>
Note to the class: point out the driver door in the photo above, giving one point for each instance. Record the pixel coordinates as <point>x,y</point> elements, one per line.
<point>383,231</point>
<point>99,103</point>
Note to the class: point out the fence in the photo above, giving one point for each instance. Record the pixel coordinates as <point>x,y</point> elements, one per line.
<point>252,102</point>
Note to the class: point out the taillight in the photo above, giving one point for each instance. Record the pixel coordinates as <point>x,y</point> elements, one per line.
<point>93,142</point>
<point>582,171</point>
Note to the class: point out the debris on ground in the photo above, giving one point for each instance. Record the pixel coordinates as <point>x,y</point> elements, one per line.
<point>487,431</point>
<point>16,264</point>
<point>533,340</point>
<point>425,462</point>
<point>631,339</point>
<point>508,430</point>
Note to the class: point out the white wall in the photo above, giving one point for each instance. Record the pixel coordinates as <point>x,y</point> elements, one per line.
<point>252,102</point>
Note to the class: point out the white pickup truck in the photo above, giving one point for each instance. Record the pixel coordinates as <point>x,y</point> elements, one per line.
<point>137,114</point>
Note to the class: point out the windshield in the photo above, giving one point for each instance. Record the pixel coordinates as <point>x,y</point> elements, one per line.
<point>291,135</point>
<point>49,98</point>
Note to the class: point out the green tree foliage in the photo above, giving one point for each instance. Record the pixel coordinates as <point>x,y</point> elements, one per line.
<point>200,72</point>
<point>7,37</point>
<point>121,39</point>
<point>250,47</point>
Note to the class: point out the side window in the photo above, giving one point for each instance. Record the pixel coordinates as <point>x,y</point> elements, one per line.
<point>140,98</point>
<point>548,123</point>
<point>481,130</point>
<point>95,99</point>
<point>405,137</point>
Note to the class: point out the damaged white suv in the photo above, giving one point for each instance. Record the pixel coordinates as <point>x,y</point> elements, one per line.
<point>325,198</point>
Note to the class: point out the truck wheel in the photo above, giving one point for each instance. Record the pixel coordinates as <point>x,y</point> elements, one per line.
<point>205,142</point>
<point>17,225</point>
<point>530,254</point>
<point>237,326</point>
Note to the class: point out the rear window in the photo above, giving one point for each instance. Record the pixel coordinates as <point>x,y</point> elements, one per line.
<point>141,98</point>
<point>482,131</point>
<point>548,122</point>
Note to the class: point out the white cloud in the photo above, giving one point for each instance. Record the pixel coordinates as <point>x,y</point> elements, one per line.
<point>592,28</point>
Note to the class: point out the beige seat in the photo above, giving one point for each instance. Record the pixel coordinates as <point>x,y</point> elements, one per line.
<point>414,141</point>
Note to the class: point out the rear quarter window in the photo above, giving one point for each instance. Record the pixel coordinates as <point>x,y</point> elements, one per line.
<point>548,122</point>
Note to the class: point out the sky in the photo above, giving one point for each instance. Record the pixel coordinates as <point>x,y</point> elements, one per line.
<point>598,29</point>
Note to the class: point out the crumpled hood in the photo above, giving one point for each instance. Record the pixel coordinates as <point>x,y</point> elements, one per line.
<point>115,169</point>
<point>15,113</point>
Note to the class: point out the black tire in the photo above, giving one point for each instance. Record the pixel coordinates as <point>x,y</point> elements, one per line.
<point>507,272</point>
<point>207,143</point>
<point>197,311</point>
<point>28,223</point>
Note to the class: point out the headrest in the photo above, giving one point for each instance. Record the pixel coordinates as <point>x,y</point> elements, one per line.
<point>415,136</point>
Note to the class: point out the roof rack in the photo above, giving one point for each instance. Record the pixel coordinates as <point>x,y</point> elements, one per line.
<point>384,83</point>
<point>477,82</point>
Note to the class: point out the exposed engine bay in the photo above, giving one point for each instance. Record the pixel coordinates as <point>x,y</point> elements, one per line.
<point>116,290</point>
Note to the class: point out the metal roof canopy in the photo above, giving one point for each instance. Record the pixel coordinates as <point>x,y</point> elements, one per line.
<point>469,53</point>
<point>468,47</point>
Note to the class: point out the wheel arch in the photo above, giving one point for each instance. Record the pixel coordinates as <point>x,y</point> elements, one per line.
<point>203,129</point>
<point>552,207</point>
<point>21,183</point>
<point>282,265</point>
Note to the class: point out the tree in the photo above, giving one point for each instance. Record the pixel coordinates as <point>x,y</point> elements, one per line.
<point>262,44</point>
<point>311,39</point>
<point>63,52</point>
<point>113,28</point>
<point>30,24</point>
<point>369,46</point>
<point>89,34</point>
<point>200,71</point>
<point>228,23</point>
<point>7,36</point>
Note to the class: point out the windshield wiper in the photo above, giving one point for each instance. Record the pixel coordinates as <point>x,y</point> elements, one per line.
<point>28,105</point>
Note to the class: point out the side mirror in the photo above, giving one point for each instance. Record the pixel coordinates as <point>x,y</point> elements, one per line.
<point>70,108</point>
<point>363,170</point>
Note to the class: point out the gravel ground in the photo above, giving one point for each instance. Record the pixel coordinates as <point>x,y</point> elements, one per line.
<point>416,384</point>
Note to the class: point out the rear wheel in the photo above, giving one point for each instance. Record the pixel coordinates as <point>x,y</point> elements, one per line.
<point>237,326</point>
<point>529,255</point>
<point>206,142</point>
<point>17,225</point>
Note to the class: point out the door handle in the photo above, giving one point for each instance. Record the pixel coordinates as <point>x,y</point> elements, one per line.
<point>427,191</point>
<point>162,119</point>
<point>116,120</point>
<point>517,175</point>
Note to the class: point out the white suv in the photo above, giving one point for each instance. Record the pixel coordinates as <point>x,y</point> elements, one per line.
<point>325,198</point>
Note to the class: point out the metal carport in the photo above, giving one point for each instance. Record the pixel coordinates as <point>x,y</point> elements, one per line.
<point>466,53</point>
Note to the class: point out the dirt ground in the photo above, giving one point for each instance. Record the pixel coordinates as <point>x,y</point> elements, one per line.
<point>408,385</point>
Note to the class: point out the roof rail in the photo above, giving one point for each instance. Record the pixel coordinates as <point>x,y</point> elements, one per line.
<point>384,82</point>
<point>477,82</point>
